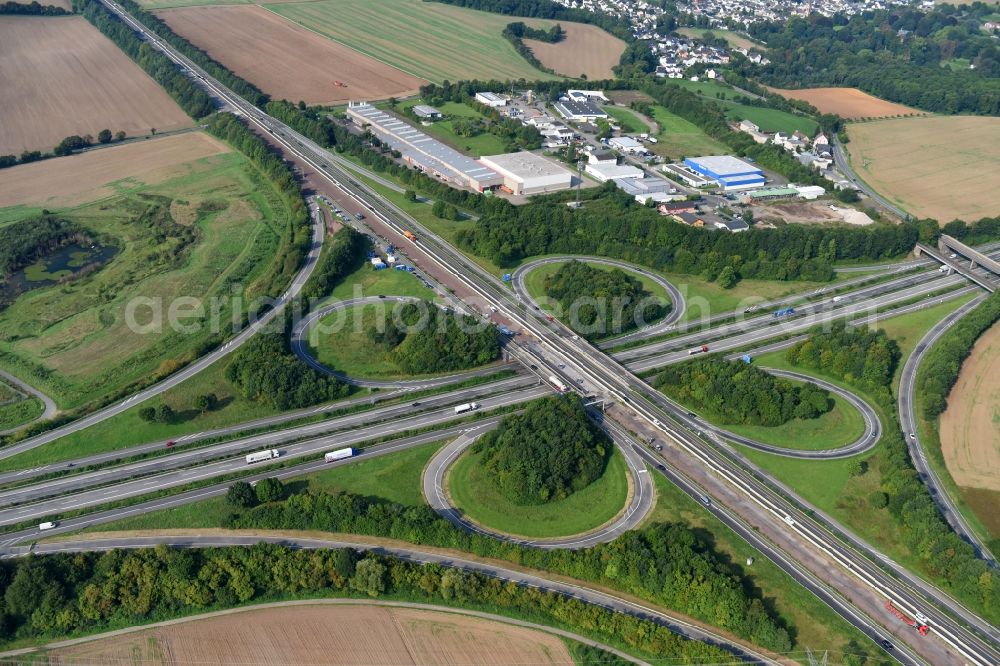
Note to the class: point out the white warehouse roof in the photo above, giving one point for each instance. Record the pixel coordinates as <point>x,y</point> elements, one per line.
<point>528,173</point>
<point>604,172</point>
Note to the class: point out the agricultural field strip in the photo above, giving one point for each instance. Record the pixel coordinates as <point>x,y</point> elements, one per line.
<point>599,597</point>
<point>455,43</point>
<point>171,478</point>
<point>49,95</point>
<point>384,630</point>
<point>303,73</point>
<point>904,159</point>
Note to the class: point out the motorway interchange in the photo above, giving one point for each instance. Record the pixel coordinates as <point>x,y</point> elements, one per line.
<point>848,574</point>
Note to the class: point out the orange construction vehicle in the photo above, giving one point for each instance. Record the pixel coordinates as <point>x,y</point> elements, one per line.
<point>410,235</point>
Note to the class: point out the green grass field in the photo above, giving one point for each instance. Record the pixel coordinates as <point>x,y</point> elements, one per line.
<point>812,623</point>
<point>395,478</point>
<point>679,138</point>
<point>907,329</point>
<point>769,120</point>
<point>840,426</point>
<point>582,511</point>
<point>534,281</point>
<point>20,412</point>
<point>627,119</point>
<point>389,282</point>
<point>732,38</point>
<point>476,146</point>
<point>75,342</point>
<point>345,346</point>
<point>127,428</point>
<point>429,40</point>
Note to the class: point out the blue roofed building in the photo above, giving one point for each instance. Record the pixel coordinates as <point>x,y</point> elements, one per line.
<point>731,173</point>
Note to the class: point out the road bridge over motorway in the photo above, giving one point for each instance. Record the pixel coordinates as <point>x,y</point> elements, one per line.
<point>945,258</point>
<point>949,245</point>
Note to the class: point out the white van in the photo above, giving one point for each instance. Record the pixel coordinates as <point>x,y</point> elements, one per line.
<point>47,526</point>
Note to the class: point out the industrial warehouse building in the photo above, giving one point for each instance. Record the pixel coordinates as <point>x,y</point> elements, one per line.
<point>418,149</point>
<point>528,173</point>
<point>729,172</point>
<point>491,99</point>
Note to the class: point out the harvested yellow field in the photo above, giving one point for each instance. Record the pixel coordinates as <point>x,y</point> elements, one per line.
<point>941,167</point>
<point>309,71</point>
<point>848,103</point>
<point>970,427</point>
<point>585,50</point>
<point>350,635</point>
<point>68,181</point>
<point>60,76</point>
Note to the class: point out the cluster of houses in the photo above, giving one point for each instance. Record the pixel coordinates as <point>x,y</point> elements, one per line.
<point>815,153</point>
<point>676,54</point>
<point>643,16</point>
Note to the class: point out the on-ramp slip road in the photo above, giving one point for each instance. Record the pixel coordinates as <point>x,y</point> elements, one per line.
<point>867,439</point>
<point>641,502</point>
<point>665,324</point>
<point>50,406</point>
<point>907,416</point>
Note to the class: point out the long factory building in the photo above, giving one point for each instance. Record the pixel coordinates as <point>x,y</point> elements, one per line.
<point>422,151</point>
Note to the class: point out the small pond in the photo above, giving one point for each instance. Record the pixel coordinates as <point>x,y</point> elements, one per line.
<point>61,264</point>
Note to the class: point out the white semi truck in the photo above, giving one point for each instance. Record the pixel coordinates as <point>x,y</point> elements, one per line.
<point>261,456</point>
<point>467,407</point>
<point>339,454</point>
<point>557,384</point>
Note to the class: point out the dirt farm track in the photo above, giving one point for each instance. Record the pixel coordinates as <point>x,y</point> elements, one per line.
<point>318,634</point>
<point>307,71</point>
<point>586,49</point>
<point>60,76</point>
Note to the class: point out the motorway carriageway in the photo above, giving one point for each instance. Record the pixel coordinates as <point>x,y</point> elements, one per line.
<point>161,472</point>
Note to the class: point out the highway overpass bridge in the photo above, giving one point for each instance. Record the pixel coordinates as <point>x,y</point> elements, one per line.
<point>948,253</point>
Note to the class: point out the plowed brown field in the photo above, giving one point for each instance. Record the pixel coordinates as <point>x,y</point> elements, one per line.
<point>849,103</point>
<point>286,60</point>
<point>586,50</point>
<point>362,634</point>
<point>67,181</point>
<point>970,427</point>
<point>60,76</point>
